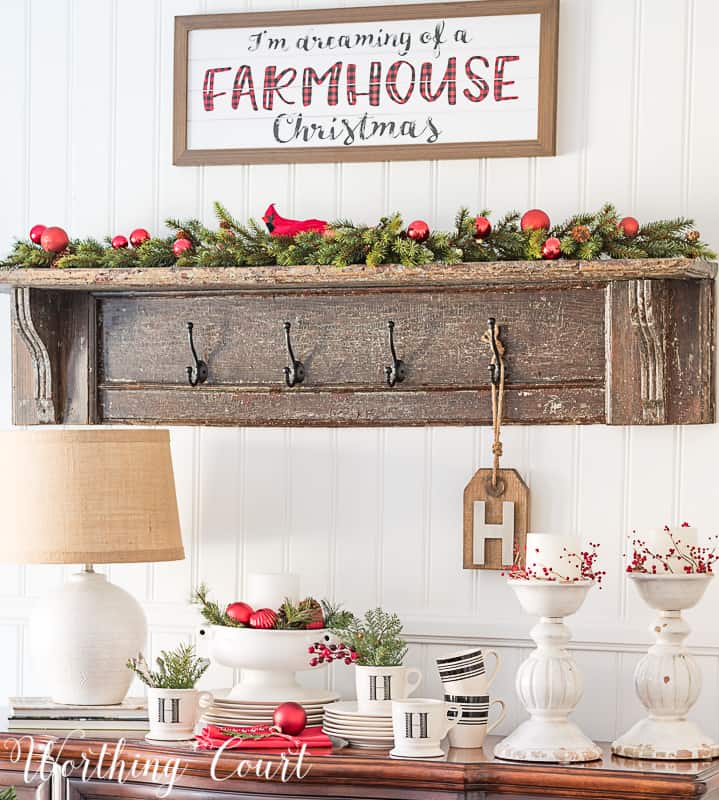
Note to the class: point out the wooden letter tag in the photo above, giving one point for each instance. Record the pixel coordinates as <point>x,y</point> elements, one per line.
<point>495,521</point>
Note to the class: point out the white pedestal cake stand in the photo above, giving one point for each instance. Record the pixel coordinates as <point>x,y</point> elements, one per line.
<point>549,683</point>
<point>667,680</point>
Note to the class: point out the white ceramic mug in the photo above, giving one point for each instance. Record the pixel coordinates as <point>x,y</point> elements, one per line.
<point>173,713</point>
<point>420,725</point>
<point>377,687</point>
<point>474,726</point>
<point>464,671</point>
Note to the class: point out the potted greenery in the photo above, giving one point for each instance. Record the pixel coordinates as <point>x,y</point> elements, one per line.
<point>377,650</point>
<point>172,700</point>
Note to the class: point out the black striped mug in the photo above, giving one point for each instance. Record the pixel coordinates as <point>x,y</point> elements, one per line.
<point>465,671</point>
<point>473,728</point>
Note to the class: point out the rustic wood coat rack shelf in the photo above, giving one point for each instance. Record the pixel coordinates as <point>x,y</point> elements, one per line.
<point>618,342</point>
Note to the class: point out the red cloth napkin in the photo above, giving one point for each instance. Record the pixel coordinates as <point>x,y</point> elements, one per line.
<point>211,737</point>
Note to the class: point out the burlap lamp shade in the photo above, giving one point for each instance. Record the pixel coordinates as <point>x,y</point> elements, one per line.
<point>88,496</point>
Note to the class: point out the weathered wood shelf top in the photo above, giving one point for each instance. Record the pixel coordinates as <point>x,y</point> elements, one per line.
<point>490,273</point>
<point>605,341</point>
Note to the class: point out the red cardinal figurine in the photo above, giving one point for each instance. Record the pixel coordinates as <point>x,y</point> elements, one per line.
<point>279,226</point>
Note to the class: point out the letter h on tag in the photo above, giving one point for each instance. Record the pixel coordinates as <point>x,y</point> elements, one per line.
<point>482,530</point>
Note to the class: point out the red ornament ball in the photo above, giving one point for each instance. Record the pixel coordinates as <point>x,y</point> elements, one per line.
<point>119,241</point>
<point>290,718</point>
<point>533,220</point>
<point>36,232</point>
<point>263,619</point>
<point>482,227</point>
<point>629,226</point>
<point>138,236</point>
<point>418,230</point>
<point>180,246</point>
<point>53,240</point>
<point>240,612</point>
<point>552,248</point>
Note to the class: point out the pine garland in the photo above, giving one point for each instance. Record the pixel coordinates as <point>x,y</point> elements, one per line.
<point>583,236</point>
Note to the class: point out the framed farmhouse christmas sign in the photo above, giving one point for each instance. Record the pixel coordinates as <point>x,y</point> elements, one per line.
<point>420,81</point>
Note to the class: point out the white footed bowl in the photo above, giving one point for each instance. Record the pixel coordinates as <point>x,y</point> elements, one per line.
<point>268,660</point>
<point>671,592</point>
<point>550,599</point>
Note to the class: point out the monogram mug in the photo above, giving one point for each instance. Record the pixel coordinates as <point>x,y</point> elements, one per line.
<point>420,725</point>
<point>378,686</point>
<point>174,712</point>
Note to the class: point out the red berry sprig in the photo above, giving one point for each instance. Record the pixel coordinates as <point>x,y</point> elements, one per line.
<point>324,653</point>
<point>695,559</point>
<point>586,560</point>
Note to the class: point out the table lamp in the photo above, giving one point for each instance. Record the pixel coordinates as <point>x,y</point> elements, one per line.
<point>88,496</point>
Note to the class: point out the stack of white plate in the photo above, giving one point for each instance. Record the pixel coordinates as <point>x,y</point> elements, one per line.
<point>224,711</point>
<point>360,729</point>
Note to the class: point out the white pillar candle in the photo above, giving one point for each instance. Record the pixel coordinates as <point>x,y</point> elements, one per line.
<point>269,589</point>
<point>551,551</point>
<point>660,542</point>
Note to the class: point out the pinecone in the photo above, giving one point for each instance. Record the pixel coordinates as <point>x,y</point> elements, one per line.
<point>581,233</point>
<point>314,610</point>
<point>225,225</point>
<point>693,236</point>
<point>65,251</point>
<point>183,234</point>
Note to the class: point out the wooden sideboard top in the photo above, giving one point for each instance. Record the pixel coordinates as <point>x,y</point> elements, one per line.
<point>362,773</point>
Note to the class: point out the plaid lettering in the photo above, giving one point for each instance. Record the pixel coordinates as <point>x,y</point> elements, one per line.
<point>477,80</point>
<point>274,85</point>
<point>499,81</point>
<point>391,82</point>
<point>310,76</point>
<point>449,82</point>
<point>375,77</point>
<point>208,87</point>
<point>243,79</point>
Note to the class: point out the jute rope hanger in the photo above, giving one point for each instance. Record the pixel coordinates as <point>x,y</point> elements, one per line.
<point>497,374</point>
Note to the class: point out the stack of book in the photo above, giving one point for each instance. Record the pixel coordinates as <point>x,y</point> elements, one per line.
<point>42,714</point>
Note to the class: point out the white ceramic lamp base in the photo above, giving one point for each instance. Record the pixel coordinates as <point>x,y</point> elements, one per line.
<point>82,636</point>
<point>549,683</point>
<point>667,679</point>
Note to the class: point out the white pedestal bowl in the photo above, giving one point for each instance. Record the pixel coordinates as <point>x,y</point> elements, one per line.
<point>268,660</point>
<point>549,683</point>
<point>667,679</point>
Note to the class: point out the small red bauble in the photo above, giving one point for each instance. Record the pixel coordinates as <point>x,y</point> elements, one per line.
<point>263,619</point>
<point>240,612</point>
<point>482,227</point>
<point>138,236</point>
<point>418,230</point>
<point>180,246</point>
<point>629,226</point>
<point>552,248</point>
<point>533,220</point>
<point>290,718</point>
<point>53,240</point>
<point>119,242</point>
<point>36,232</point>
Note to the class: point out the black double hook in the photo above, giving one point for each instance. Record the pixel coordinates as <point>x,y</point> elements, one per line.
<point>295,372</point>
<point>397,372</point>
<point>495,369</point>
<point>199,372</point>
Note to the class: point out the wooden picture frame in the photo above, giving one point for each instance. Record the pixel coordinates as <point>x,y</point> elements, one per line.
<point>546,79</point>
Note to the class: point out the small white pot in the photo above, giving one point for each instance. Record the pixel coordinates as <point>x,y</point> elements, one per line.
<point>173,713</point>
<point>377,687</point>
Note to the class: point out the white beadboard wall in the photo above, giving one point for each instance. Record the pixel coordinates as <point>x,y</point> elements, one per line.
<point>374,516</point>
